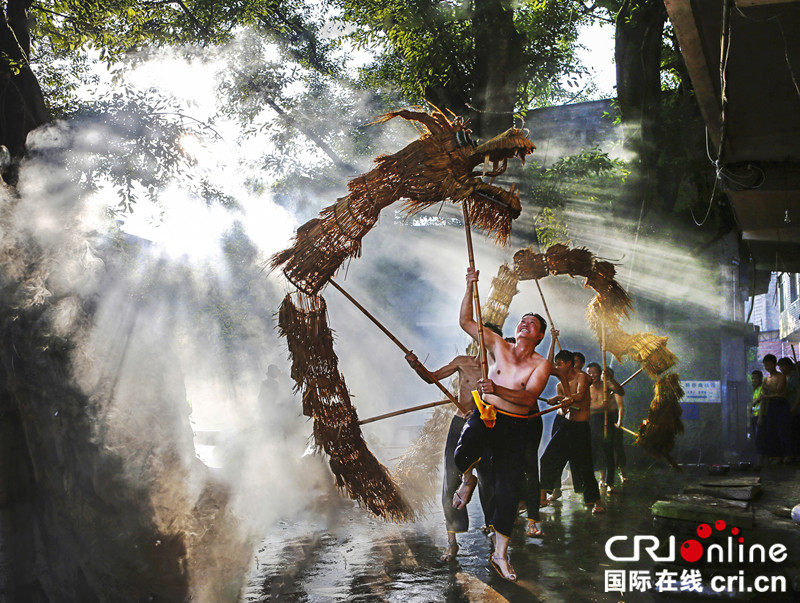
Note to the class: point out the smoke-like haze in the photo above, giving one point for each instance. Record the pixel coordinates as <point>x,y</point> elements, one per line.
<point>180,327</point>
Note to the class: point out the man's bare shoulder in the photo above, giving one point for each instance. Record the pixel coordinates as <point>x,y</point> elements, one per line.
<point>583,378</point>
<point>539,361</point>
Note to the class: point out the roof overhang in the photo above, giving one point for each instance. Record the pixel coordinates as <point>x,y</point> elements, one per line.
<point>761,153</point>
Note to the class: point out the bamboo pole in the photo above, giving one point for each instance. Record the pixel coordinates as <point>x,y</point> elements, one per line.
<point>439,403</point>
<point>630,431</point>
<point>547,410</point>
<point>476,302</point>
<point>388,333</point>
<point>631,377</point>
<point>605,381</point>
<point>547,311</point>
<point>403,411</point>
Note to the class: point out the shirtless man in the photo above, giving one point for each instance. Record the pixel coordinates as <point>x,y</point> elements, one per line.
<point>572,440</point>
<point>561,415</point>
<point>617,402</point>
<point>773,429</point>
<point>455,508</point>
<point>517,376</point>
<point>605,430</point>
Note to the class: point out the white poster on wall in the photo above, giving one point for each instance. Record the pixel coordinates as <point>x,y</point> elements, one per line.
<point>701,391</point>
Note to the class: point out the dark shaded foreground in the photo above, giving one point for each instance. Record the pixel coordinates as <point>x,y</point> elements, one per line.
<point>360,559</point>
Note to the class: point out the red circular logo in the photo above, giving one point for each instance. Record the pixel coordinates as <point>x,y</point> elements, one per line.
<point>691,551</point>
<point>704,530</point>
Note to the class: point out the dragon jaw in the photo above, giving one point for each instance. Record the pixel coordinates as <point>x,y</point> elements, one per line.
<point>497,151</point>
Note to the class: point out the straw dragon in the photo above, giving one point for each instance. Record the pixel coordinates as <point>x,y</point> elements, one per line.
<point>436,167</point>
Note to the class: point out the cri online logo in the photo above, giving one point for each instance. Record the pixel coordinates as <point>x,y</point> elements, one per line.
<point>693,550</point>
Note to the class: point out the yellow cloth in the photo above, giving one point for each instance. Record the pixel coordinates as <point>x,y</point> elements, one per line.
<point>487,411</point>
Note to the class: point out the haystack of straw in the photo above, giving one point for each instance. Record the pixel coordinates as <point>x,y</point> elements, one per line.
<point>504,288</point>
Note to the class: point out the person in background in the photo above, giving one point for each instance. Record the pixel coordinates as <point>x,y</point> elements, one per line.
<point>578,360</point>
<point>572,441</point>
<point>773,432</point>
<point>789,369</point>
<point>616,411</point>
<point>756,380</point>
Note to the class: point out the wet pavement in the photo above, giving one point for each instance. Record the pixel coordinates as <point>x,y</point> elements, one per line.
<point>359,558</point>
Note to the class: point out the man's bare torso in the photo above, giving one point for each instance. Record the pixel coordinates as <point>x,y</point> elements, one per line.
<point>774,384</point>
<point>578,384</point>
<point>513,371</point>
<point>598,403</point>
<point>469,371</point>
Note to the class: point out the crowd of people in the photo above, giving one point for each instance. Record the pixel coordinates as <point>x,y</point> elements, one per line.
<point>775,411</point>
<point>494,438</point>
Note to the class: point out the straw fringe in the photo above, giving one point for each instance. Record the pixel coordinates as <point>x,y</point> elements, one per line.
<point>504,288</point>
<point>417,471</point>
<point>652,352</point>
<point>327,401</point>
<point>657,432</point>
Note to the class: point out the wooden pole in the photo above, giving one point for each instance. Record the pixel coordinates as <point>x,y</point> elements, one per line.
<point>439,403</point>
<point>547,311</point>
<point>631,377</point>
<point>547,410</point>
<point>388,333</point>
<point>605,381</point>
<point>404,411</point>
<point>630,431</point>
<point>476,302</point>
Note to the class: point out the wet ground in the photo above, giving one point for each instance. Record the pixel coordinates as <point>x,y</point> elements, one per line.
<point>362,559</point>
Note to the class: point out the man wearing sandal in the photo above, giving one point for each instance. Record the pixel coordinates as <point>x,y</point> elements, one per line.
<point>455,508</point>
<point>517,376</point>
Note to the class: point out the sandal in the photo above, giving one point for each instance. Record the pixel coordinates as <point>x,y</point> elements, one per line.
<point>463,494</point>
<point>449,554</point>
<point>534,529</point>
<point>506,575</point>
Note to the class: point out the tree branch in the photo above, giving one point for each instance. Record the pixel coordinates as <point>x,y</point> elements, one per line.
<point>343,166</point>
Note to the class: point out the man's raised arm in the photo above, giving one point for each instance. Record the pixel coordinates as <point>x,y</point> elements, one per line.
<point>554,333</point>
<point>466,315</point>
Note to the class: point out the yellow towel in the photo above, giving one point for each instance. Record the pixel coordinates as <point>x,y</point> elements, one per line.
<point>487,411</point>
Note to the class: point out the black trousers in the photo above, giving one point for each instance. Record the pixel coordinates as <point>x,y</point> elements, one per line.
<point>606,435</point>
<point>505,445</point>
<point>572,442</point>
<point>457,520</point>
<point>532,485</point>
<point>577,480</point>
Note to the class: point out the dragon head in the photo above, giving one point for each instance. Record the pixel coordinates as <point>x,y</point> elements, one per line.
<point>494,155</point>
